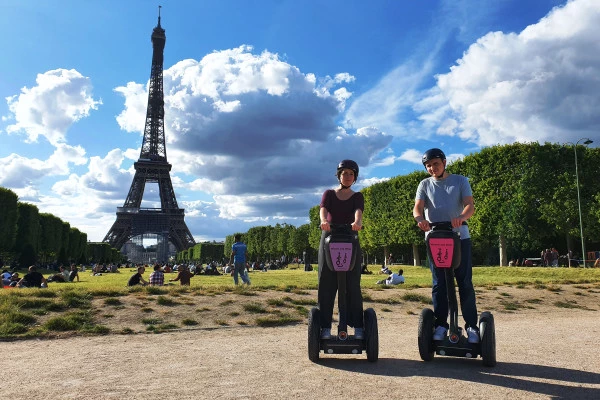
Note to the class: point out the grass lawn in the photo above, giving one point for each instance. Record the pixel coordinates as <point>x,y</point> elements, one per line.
<point>295,277</point>
<point>274,298</point>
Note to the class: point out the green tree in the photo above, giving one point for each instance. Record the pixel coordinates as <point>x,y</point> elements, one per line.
<point>63,253</point>
<point>299,240</point>
<point>51,235</point>
<point>314,233</point>
<point>76,245</point>
<point>28,234</point>
<point>9,215</point>
<point>256,238</point>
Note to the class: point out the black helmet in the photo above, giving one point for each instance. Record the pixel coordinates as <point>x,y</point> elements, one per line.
<point>348,164</point>
<point>433,153</point>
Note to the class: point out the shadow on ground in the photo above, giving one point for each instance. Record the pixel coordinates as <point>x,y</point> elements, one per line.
<point>509,375</point>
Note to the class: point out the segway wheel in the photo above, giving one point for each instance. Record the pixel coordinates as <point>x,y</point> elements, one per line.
<point>371,335</point>
<point>487,331</point>
<point>426,322</point>
<point>314,334</point>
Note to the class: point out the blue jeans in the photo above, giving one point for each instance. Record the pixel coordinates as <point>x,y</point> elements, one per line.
<point>240,268</point>
<point>464,281</point>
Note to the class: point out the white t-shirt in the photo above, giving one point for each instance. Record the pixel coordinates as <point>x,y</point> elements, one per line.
<point>394,279</point>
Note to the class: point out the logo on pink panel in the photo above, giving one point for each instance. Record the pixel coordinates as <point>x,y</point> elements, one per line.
<point>341,255</point>
<point>442,250</point>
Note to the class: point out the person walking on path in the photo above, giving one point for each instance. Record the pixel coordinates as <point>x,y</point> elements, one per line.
<point>239,252</point>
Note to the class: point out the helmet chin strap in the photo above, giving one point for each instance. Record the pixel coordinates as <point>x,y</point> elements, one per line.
<point>344,186</point>
<point>442,175</point>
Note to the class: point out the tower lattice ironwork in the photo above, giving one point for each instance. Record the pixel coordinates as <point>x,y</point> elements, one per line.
<point>152,166</point>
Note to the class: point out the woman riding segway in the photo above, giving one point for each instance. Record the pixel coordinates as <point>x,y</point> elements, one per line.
<point>341,216</point>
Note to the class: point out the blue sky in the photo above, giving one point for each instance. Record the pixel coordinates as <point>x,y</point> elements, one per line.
<point>264,98</point>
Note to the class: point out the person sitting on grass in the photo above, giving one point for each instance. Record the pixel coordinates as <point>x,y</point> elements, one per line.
<point>365,270</point>
<point>74,274</point>
<point>137,278</point>
<point>157,277</point>
<point>32,279</point>
<point>14,279</point>
<point>393,279</point>
<point>6,278</point>
<point>60,276</point>
<point>385,270</point>
<point>183,275</point>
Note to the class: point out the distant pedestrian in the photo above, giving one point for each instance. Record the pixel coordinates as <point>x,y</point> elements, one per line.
<point>239,253</point>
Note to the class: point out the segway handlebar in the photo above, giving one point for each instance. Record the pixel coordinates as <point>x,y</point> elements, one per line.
<point>341,247</point>
<point>441,226</point>
<point>443,245</point>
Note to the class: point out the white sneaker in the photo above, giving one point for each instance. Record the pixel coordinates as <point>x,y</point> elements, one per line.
<point>472,335</point>
<point>359,333</point>
<point>326,333</point>
<point>440,333</point>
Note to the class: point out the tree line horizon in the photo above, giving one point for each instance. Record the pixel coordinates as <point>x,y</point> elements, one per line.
<point>525,201</point>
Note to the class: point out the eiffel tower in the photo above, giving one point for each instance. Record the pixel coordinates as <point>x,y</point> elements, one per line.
<point>167,222</point>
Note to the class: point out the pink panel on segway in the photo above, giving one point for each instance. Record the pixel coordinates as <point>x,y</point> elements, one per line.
<point>341,256</point>
<point>442,250</point>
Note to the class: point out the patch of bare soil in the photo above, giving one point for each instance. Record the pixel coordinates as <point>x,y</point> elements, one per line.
<point>142,312</point>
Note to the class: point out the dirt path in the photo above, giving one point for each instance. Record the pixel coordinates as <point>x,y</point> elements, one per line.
<point>541,355</point>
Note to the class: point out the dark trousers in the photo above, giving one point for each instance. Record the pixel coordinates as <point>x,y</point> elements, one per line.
<point>464,281</point>
<point>328,287</point>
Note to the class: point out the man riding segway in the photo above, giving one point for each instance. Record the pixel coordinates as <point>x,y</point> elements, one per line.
<point>446,197</point>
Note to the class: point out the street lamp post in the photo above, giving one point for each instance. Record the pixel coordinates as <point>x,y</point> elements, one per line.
<point>587,141</point>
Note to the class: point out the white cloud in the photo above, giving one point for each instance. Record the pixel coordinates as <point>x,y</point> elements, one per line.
<point>412,155</point>
<point>538,85</point>
<point>265,207</point>
<point>133,118</point>
<point>373,181</point>
<point>251,138</point>
<point>60,98</point>
<point>22,172</point>
<point>243,123</point>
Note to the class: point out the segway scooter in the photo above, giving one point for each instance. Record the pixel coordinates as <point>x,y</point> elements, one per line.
<point>443,247</point>
<point>340,252</point>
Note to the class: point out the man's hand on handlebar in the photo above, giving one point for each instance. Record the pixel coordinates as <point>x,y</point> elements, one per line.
<point>456,222</point>
<point>424,225</point>
<point>356,226</point>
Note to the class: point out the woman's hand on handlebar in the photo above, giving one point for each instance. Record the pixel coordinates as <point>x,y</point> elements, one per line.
<point>356,226</point>
<point>325,226</point>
